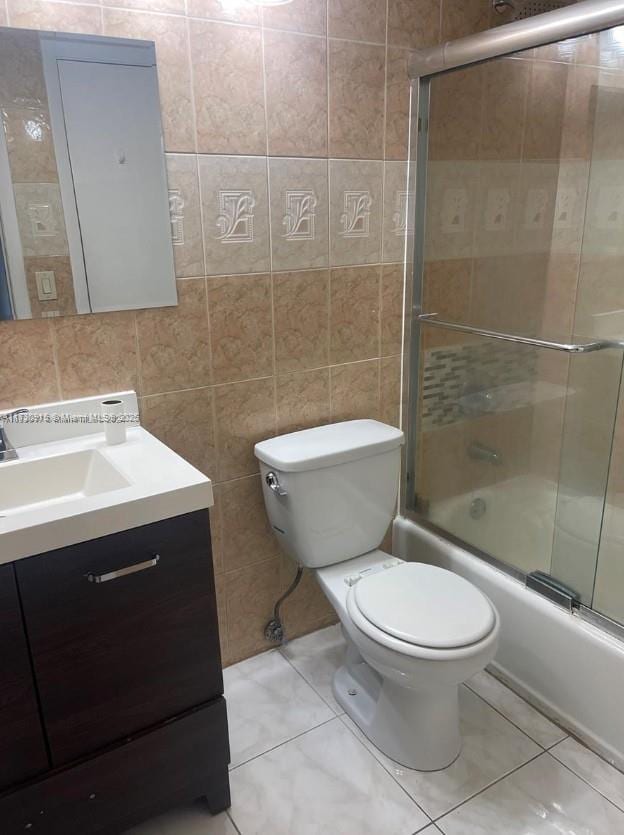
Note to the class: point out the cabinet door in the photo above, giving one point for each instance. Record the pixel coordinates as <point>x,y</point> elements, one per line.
<point>22,745</point>
<point>115,652</point>
<point>120,183</point>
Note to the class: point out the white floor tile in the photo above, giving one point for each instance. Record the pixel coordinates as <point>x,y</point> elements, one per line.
<point>521,713</point>
<point>602,776</point>
<point>542,798</point>
<point>194,819</point>
<point>268,702</point>
<point>492,747</point>
<point>317,657</point>
<point>323,782</point>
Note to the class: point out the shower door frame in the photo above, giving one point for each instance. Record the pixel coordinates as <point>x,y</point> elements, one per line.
<point>583,18</point>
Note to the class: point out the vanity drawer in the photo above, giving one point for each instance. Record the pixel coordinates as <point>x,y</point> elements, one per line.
<point>174,764</point>
<point>116,651</point>
<point>22,745</point>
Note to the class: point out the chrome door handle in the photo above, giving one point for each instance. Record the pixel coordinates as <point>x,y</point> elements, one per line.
<point>273,484</point>
<point>123,572</point>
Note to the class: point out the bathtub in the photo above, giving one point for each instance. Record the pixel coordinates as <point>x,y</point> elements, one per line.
<point>515,518</point>
<point>530,523</point>
<point>564,665</point>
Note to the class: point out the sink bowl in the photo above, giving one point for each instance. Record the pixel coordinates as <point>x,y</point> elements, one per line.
<point>28,485</point>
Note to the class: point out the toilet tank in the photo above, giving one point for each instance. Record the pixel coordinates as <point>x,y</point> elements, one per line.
<point>330,492</point>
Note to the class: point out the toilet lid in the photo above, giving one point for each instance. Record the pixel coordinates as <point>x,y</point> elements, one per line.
<point>425,605</point>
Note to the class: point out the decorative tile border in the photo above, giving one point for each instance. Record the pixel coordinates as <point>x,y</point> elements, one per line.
<point>279,213</point>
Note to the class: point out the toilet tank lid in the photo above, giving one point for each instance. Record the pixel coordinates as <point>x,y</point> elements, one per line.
<point>325,446</point>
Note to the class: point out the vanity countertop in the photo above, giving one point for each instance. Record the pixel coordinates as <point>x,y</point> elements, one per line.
<point>136,483</point>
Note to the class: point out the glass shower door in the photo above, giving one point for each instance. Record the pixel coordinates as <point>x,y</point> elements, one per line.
<point>519,261</point>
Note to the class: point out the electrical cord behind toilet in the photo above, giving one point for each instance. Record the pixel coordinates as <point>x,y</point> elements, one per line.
<point>274,630</point>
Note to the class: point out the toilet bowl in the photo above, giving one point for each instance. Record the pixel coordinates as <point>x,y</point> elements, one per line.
<point>414,631</point>
<point>400,685</point>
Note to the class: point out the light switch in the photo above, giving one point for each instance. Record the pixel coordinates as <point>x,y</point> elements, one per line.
<point>46,285</point>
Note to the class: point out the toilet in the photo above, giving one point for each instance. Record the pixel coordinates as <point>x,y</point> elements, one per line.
<point>414,631</point>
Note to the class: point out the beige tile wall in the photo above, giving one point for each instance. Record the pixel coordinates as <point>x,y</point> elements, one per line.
<point>280,326</point>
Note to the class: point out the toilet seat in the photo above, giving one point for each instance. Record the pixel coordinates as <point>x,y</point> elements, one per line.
<point>421,610</point>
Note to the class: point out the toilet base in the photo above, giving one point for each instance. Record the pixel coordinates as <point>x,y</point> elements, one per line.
<point>418,729</point>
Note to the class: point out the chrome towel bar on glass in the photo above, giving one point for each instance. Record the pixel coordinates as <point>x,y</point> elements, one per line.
<point>566,347</point>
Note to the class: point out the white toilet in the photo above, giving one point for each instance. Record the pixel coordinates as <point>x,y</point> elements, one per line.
<point>414,631</point>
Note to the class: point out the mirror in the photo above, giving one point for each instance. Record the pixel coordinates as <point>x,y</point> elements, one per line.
<point>84,209</point>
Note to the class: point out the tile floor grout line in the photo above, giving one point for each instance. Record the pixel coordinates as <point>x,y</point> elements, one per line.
<point>284,742</point>
<point>326,722</point>
<point>309,683</point>
<point>587,783</point>
<point>431,820</point>
<point>403,789</point>
<point>511,721</point>
<point>231,819</point>
<point>489,786</point>
<point>550,719</point>
<point>423,828</point>
<point>569,736</point>
<point>485,788</point>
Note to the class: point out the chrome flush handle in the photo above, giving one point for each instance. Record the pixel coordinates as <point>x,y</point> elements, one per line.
<point>273,484</point>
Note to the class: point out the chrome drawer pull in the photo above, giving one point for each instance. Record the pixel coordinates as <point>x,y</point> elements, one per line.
<point>123,572</point>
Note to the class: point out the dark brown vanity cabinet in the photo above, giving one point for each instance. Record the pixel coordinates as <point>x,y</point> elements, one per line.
<point>118,655</point>
<point>22,744</point>
<point>125,664</point>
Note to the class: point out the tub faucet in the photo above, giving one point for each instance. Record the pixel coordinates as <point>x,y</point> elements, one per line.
<point>7,450</point>
<point>480,452</point>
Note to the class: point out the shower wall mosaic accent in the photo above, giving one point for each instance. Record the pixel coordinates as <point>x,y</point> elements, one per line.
<point>461,382</point>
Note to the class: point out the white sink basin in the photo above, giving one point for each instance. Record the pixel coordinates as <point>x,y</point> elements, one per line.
<point>29,485</point>
<point>68,485</point>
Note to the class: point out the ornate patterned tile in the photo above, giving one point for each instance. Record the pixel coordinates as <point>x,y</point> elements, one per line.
<point>396,215</point>
<point>234,198</point>
<point>299,213</point>
<point>355,212</point>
